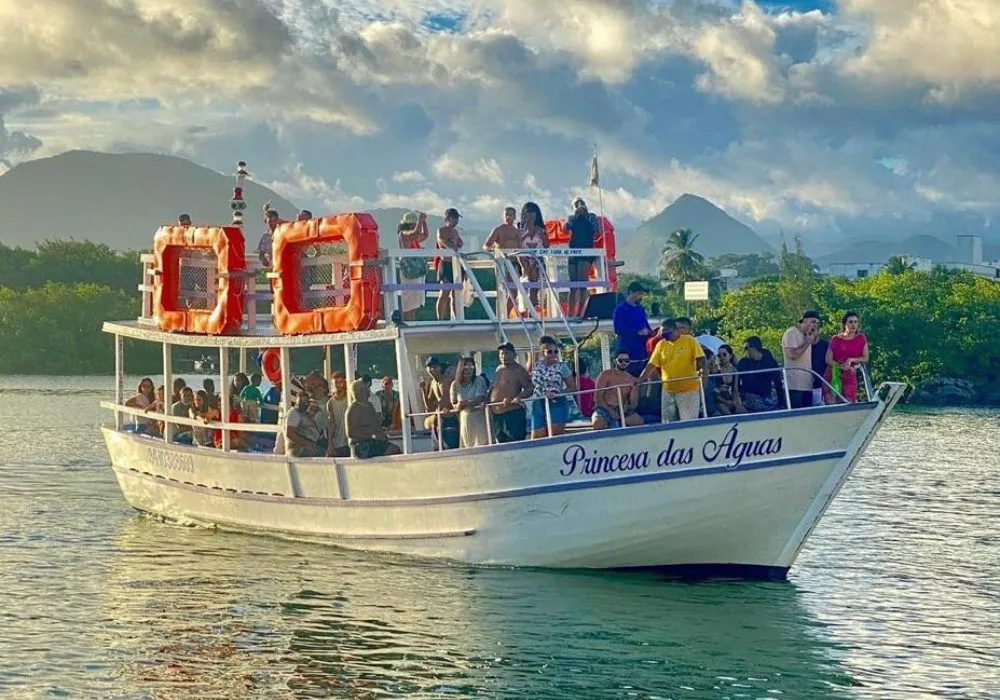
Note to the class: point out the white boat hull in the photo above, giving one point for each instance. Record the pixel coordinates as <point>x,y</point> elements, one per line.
<point>714,495</point>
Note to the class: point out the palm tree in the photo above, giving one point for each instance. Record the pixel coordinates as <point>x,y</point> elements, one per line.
<point>679,262</point>
<point>897,265</point>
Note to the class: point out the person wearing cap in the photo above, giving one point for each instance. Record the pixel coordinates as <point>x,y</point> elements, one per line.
<point>448,239</point>
<point>511,388</point>
<point>582,227</point>
<point>411,232</point>
<point>796,346</point>
<point>682,366</point>
<point>507,236</point>
<point>438,399</point>
<point>304,215</point>
<point>759,389</point>
<point>632,327</point>
<point>184,220</point>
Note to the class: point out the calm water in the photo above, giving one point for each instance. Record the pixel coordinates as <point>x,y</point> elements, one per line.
<point>896,596</point>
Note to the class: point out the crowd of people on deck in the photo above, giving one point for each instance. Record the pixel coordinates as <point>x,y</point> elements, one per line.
<point>656,375</point>
<point>528,232</point>
<point>703,376</point>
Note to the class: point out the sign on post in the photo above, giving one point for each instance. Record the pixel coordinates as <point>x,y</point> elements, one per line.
<point>696,291</point>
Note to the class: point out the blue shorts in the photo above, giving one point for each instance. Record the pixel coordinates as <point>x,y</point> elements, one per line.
<point>558,407</point>
<point>606,417</point>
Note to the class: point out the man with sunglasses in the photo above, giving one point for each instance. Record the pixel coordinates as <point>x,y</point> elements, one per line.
<point>613,385</point>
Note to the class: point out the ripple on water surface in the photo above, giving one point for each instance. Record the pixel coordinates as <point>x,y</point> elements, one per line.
<point>894,597</point>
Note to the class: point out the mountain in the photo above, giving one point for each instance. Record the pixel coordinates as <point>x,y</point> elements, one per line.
<point>718,233</point>
<point>119,199</point>
<point>922,246</point>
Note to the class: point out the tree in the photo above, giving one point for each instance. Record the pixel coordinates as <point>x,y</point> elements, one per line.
<point>748,266</point>
<point>897,265</point>
<point>797,280</point>
<point>679,262</point>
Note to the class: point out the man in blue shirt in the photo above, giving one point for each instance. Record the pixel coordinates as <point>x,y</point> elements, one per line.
<point>632,328</point>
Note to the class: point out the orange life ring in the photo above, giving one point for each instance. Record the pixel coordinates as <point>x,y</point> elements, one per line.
<point>605,238</point>
<point>364,307</point>
<point>270,365</point>
<point>169,245</point>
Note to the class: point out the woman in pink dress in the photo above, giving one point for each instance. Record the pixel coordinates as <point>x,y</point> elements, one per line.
<point>848,349</point>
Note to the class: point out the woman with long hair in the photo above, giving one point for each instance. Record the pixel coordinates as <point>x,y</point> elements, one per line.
<point>145,396</point>
<point>469,394</point>
<point>533,235</point>
<point>848,350</point>
<point>726,384</point>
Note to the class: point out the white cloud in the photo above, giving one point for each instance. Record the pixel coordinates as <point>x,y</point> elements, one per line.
<point>408,176</point>
<point>451,167</point>
<point>740,55</point>
<point>779,116</point>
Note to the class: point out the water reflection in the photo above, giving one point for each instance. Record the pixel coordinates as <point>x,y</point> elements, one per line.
<point>894,597</point>
<point>198,613</point>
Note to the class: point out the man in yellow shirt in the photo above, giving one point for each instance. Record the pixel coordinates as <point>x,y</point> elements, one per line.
<point>680,356</point>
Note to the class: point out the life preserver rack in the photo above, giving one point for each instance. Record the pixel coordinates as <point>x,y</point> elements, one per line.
<point>221,292</point>
<point>604,238</point>
<point>308,295</point>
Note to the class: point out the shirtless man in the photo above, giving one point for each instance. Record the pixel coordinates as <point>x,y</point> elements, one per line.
<point>438,398</point>
<point>507,236</point>
<point>448,240</point>
<point>607,413</point>
<point>511,386</point>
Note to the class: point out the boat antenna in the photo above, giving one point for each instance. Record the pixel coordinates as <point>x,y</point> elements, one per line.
<point>595,181</point>
<point>237,204</point>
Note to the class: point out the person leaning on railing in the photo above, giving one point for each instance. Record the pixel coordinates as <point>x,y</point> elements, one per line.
<point>681,362</point>
<point>760,377</point>
<point>616,394</point>
<point>511,387</point>
<point>551,377</point>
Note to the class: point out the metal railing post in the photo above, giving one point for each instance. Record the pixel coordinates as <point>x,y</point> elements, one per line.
<point>224,397</point>
<point>489,423</point>
<point>788,393</point>
<point>548,417</point>
<point>119,380</point>
<point>168,429</point>
<point>621,406</point>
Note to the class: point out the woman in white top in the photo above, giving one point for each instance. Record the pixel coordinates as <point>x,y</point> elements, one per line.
<point>469,394</point>
<point>533,235</point>
<point>145,395</point>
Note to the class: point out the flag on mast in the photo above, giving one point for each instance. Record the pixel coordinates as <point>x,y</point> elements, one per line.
<point>595,179</point>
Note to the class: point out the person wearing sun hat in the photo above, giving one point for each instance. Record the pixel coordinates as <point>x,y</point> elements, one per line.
<point>411,232</point>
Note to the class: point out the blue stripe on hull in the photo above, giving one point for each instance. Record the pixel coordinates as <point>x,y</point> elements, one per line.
<point>701,572</point>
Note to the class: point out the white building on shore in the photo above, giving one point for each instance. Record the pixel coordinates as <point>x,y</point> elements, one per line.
<point>970,250</point>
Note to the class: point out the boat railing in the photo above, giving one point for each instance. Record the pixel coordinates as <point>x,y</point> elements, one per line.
<point>494,301</point>
<point>206,291</point>
<point>227,428</point>
<point>643,388</point>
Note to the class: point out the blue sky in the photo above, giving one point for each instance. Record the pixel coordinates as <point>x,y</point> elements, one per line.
<point>830,119</point>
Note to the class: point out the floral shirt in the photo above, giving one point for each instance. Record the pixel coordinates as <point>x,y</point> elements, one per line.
<point>549,377</point>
